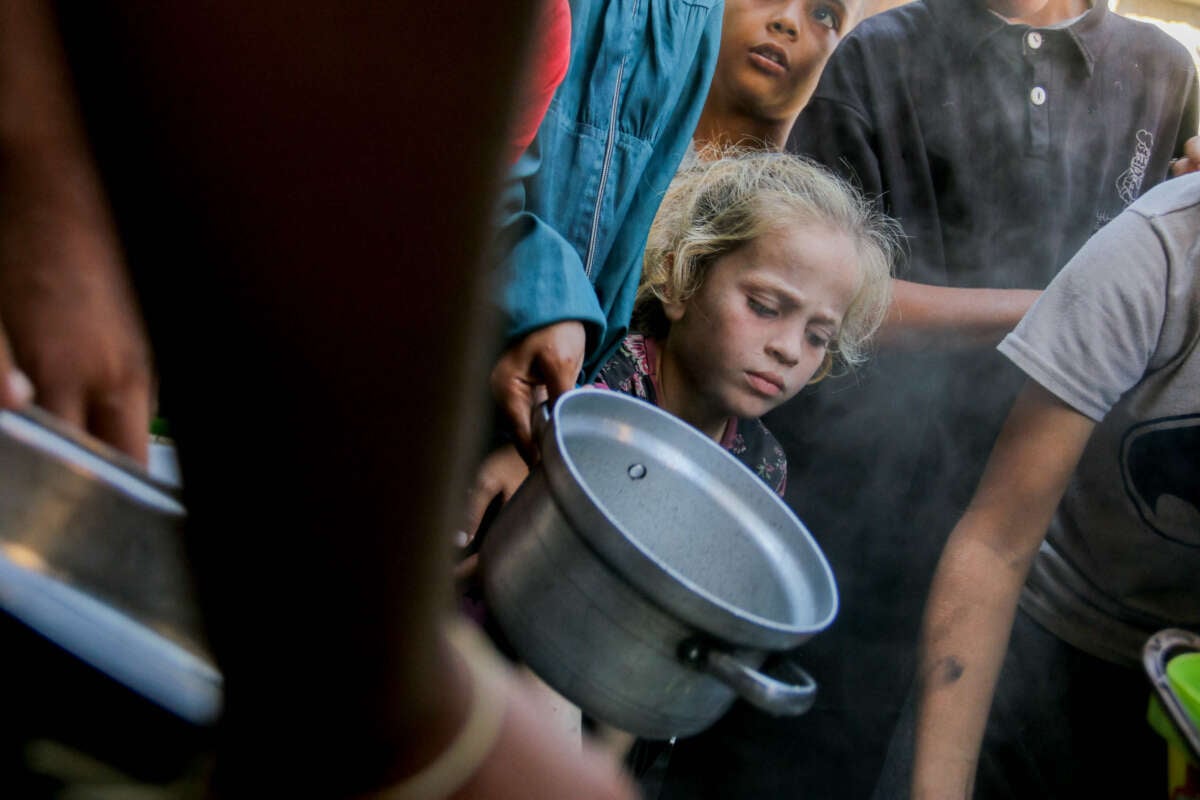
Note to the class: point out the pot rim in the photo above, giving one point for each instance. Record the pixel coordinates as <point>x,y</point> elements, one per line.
<point>657,580</point>
<point>78,451</point>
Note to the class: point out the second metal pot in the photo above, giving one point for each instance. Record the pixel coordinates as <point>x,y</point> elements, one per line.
<point>92,559</point>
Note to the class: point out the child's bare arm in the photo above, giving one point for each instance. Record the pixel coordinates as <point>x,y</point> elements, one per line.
<point>973,598</point>
<point>941,317</point>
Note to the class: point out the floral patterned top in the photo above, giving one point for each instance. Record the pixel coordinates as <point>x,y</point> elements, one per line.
<point>633,370</point>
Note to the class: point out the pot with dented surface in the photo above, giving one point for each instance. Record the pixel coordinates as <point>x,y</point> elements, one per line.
<point>645,574</point>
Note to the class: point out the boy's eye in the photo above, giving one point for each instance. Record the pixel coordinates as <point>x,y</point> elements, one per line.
<point>760,309</point>
<point>827,17</point>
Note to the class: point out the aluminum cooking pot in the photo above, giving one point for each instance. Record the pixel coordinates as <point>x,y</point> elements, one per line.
<point>645,574</point>
<point>91,558</point>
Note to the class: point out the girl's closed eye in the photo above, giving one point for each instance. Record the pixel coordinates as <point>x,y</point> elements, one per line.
<point>819,339</point>
<point>761,309</point>
<point>827,16</point>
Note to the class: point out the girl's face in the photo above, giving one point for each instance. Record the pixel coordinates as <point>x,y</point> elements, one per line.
<point>773,51</point>
<point>760,325</point>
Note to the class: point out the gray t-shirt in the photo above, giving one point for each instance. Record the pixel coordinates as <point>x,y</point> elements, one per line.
<point>1116,336</point>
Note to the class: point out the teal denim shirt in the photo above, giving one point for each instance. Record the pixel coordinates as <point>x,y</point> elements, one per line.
<point>578,204</point>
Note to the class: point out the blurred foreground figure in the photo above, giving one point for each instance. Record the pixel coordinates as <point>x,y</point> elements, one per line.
<point>305,233</point>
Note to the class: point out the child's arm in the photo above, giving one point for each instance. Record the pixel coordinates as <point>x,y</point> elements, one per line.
<point>922,316</point>
<point>969,615</point>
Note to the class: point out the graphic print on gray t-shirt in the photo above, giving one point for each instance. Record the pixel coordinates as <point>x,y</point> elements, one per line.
<point>1116,336</point>
<point>1160,465</point>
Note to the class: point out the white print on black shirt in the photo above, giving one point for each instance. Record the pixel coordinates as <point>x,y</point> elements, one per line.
<point>1129,183</point>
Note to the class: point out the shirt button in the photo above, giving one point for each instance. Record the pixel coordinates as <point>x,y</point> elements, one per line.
<point>1034,40</point>
<point>1037,95</point>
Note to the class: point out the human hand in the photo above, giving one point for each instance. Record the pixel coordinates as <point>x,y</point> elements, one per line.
<point>68,311</point>
<point>549,358</point>
<point>73,328</point>
<point>498,476</point>
<point>1189,161</point>
<point>496,479</point>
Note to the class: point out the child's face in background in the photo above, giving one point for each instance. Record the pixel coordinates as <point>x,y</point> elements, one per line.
<point>761,323</point>
<point>773,51</point>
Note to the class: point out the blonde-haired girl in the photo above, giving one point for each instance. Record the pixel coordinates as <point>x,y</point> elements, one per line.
<point>763,271</point>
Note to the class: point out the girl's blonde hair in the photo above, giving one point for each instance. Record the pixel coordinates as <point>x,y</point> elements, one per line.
<point>717,204</point>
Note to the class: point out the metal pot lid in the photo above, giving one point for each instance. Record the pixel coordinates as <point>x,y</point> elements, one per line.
<point>685,522</point>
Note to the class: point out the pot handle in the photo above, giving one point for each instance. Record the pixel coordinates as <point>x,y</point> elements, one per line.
<point>776,697</point>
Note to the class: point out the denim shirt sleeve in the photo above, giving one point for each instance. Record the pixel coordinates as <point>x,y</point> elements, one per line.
<point>579,202</point>
<point>540,279</point>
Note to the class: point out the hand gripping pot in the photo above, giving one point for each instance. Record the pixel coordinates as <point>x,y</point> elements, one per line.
<point>645,574</point>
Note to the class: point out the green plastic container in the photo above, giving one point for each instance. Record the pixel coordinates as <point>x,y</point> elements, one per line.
<point>1183,773</point>
<point>1184,673</point>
